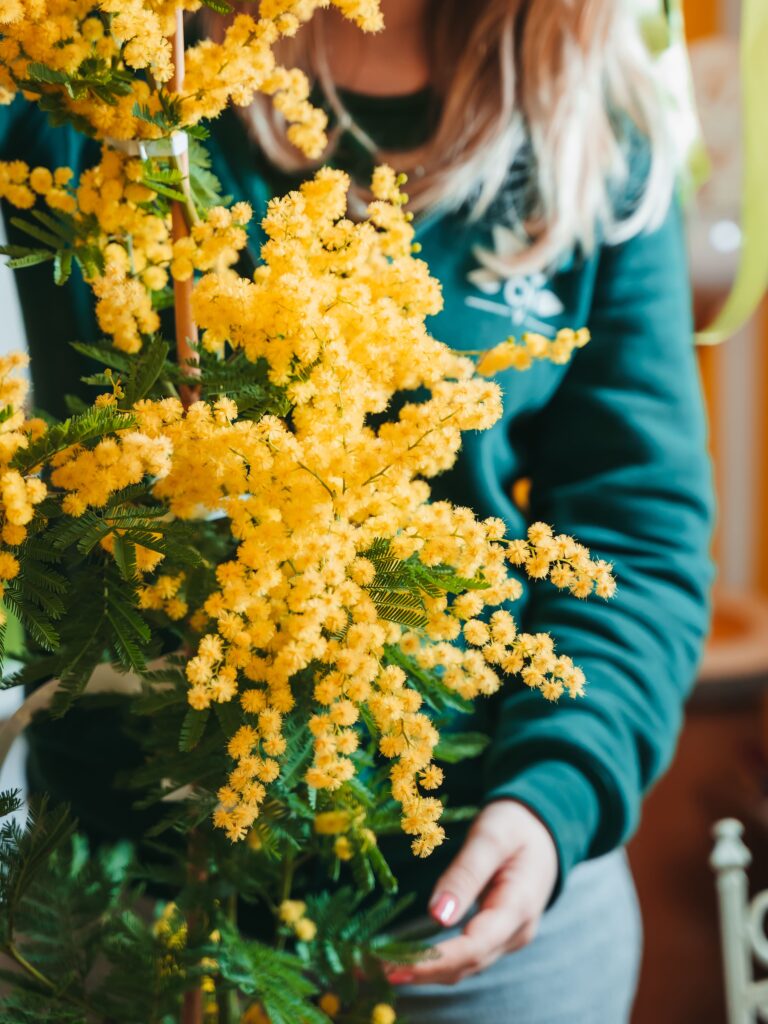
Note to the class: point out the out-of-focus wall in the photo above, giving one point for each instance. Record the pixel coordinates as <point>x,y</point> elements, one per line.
<point>734,374</point>
<point>721,767</point>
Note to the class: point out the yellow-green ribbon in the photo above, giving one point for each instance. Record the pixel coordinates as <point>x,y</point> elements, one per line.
<point>752,275</point>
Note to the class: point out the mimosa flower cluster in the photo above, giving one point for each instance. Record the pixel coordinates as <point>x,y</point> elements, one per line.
<point>19,494</point>
<point>326,510</point>
<point>64,36</point>
<point>103,58</point>
<point>329,514</point>
<point>562,561</point>
<point>338,310</point>
<point>112,215</point>
<point>91,475</point>
<point>261,513</point>
<point>514,355</point>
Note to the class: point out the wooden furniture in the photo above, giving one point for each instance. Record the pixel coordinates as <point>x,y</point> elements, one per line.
<point>742,926</point>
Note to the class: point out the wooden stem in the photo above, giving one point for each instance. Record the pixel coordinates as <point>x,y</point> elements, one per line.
<point>192,1010</point>
<point>186,328</point>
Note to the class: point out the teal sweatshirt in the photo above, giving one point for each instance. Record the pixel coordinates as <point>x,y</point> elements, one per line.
<point>613,443</point>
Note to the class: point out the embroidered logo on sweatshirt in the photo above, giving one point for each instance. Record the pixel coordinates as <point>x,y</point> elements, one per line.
<point>524,299</point>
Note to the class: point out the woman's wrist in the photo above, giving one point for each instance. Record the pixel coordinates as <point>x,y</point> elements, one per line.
<point>563,799</point>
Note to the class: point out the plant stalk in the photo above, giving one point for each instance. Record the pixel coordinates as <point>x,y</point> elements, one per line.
<point>197,875</point>
<point>192,1010</point>
<point>30,969</point>
<point>12,951</point>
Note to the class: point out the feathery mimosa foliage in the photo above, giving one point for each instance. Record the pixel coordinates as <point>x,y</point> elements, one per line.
<point>264,560</point>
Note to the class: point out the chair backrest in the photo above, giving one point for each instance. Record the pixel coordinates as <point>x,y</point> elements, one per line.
<point>742,929</point>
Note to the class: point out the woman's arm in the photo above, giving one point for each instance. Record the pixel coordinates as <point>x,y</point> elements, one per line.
<point>617,459</point>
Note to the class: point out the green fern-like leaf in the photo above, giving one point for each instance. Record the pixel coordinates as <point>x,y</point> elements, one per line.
<point>24,256</point>
<point>25,1007</point>
<point>25,851</point>
<point>428,683</point>
<point>443,578</point>
<point>85,428</point>
<point>62,225</point>
<point>460,746</point>
<point>145,371</point>
<point>35,621</point>
<point>219,6</point>
<point>83,532</point>
<point>103,621</point>
<point>246,383</point>
<point>130,633</point>
<point>36,232</point>
<point>206,187</point>
<point>76,667</point>
<point>192,728</point>
<point>272,977</point>
<point>94,77</point>
<point>230,717</point>
<point>10,802</point>
<point>411,618</point>
<point>351,941</point>
<point>124,553</point>
<point>105,353</point>
<point>38,594</point>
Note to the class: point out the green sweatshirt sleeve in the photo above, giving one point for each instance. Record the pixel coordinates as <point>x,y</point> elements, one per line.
<point>617,459</point>
<point>10,114</point>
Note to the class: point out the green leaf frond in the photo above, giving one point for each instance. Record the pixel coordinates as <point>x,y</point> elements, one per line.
<point>401,586</point>
<point>85,428</point>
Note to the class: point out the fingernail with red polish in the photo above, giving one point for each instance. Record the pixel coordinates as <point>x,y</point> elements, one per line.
<point>400,977</point>
<point>443,908</point>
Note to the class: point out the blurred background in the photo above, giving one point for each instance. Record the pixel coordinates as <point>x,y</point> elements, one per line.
<point>721,768</point>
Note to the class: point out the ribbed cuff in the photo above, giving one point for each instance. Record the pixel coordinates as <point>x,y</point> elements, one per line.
<point>565,801</point>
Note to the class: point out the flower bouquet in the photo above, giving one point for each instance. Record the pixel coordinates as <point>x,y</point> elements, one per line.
<point>243,530</point>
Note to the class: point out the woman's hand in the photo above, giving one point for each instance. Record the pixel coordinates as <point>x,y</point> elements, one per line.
<point>508,866</point>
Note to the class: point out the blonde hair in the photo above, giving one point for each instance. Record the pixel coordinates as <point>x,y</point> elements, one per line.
<point>559,86</point>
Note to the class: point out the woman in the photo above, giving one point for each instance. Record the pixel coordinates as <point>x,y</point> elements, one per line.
<point>539,172</point>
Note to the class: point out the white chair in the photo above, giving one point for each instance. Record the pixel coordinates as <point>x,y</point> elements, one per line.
<point>743,935</point>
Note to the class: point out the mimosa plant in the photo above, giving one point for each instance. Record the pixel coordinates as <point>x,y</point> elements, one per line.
<point>245,532</point>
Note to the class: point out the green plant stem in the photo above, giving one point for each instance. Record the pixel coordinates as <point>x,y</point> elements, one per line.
<point>319,479</point>
<point>289,867</point>
<point>11,950</point>
<point>227,1000</point>
<point>229,1007</point>
<point>190,210</point>
<point>16,955</point>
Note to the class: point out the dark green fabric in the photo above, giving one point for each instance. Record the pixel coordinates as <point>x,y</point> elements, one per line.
<point>614,445</point>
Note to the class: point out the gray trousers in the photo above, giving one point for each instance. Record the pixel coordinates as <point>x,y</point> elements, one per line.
<point>581,967</point>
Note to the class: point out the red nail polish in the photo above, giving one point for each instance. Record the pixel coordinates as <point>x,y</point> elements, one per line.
<point>400,977</point>
<point>444,907</point>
